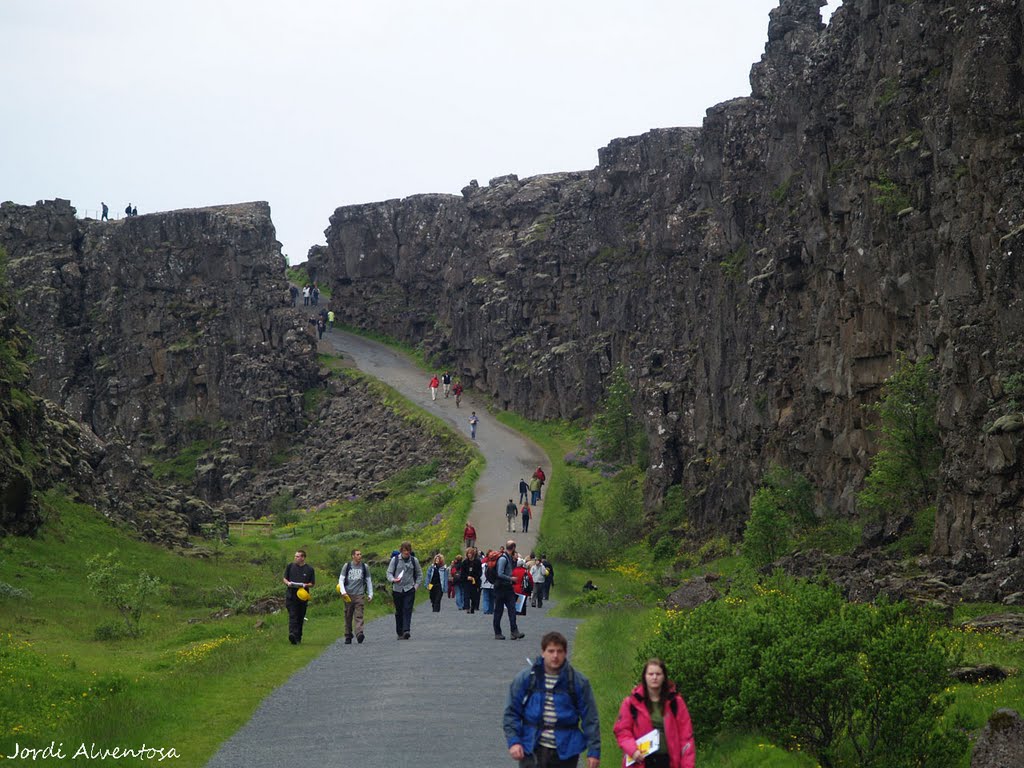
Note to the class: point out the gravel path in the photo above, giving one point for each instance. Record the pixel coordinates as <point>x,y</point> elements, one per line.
<point>433,700</point>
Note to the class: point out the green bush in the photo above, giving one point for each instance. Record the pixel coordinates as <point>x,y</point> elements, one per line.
<point>119,587</point>
<point>572,494</point>
<point>616,431</point>
<point>904,473</point>
<point>852,684</point>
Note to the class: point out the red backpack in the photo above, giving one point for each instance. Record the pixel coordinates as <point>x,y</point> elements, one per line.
<point>491,566</point>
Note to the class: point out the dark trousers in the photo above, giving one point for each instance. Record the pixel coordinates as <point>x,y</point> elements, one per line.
<point>505,600</point>
<point>526,523</point>
<point>296,616</point>
<point>543,757</point>
<point>436,595</point>
<point>471,597</point>
<point>403,610</point>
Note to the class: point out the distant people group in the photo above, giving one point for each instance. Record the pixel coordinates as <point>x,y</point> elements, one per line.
<point>551,715</point>
<point>129,211</point>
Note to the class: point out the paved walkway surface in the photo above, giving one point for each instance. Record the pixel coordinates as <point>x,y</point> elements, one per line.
<point>433,700</point>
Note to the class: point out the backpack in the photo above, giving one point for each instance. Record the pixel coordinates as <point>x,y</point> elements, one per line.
<point>491,567</point>
<point>525,586</point>
<point>570,675</point>
<point>344,573</point>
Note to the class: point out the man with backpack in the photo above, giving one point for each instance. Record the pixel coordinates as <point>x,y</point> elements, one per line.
<point>551,715</point>
<point>356,589</point>
<point>499,571</point>
<point>405,575</point>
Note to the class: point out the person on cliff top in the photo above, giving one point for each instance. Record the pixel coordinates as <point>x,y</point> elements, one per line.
<point>128,210</point>
<point>106,213</point>
<point>135,211</point>
<point>434,384</point>
<point>446,382</point>
<point>297,575</point>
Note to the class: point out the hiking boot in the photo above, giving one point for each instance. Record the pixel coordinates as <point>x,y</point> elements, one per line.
<point>406,635</point>
<point>348,639</point>
<point>292,640</point>
<point>499,637</point>
<point>517,635</point>
<point>360,638</point>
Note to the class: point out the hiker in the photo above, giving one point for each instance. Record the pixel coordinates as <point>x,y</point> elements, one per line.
<point>293,291</point>
<point>472,574</point>
<point>527,514</point>
<point>305,295</point>
<point>457,391</point>
<point>504,594</point>
<point>321,326</point>
<point>550,714</point>
<point>469,535</point>
<point>511,510</point>
<point>473,421</point>
<point>534,489</point>
<point>455,586</point>
<point>486,585</point>
<point>356,589</point>
<point>106,213</point>
<point>549,575</point>
<point>405,575</point>
<point>446,382</point>
<point>655,704</point>
<point>541,479</point>
<point>539,574</point>
<point>524,491</point>
<point>437,582</point>
<point>297,575</point>
<point>434,384</point>
<point>522,585</point>
<point>128,210</point>
<point>330,319</point>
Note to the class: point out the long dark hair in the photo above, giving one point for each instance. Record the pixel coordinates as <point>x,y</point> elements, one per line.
<point>665,686</point>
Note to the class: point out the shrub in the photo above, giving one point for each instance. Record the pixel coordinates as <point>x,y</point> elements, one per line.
<point>904,472</point>
<point>854,685</point>
<point>572,494</point>
<point>115,585</point>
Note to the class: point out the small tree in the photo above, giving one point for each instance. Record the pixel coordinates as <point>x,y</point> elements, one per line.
<point>904,472</point>
<point>128,593</point>
<point>784,500</point>
<point>615,427</point>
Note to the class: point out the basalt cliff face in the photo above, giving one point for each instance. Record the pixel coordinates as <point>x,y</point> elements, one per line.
<point>759,276</point>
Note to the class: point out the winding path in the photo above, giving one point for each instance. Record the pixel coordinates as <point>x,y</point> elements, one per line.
<point>435,700</point>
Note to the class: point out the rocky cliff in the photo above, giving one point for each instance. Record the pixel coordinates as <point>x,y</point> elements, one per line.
<point>760,275</point>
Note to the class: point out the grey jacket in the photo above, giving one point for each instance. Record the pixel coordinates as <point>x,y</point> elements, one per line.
<point>409,570</point>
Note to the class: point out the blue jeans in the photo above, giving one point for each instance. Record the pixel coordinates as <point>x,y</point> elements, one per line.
<point>487,598</point>
<point>460,601</point>
<point>505,600</point>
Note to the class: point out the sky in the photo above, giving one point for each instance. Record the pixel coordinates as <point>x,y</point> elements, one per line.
<point>315,104</point>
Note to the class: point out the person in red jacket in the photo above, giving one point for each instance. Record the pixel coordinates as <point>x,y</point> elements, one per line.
<point>517,583</point>
<point>656,705</point>
<point>469,535</point>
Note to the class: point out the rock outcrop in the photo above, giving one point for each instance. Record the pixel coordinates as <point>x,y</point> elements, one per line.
<point>759,276</point>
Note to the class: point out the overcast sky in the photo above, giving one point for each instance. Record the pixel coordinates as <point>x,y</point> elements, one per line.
<point>314,104</point>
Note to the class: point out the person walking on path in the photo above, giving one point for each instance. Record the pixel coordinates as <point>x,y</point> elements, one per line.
<point>549,575</point>
<point>486,587</point>
<point>472,573</point>
<point>297,575</point>
<point>405,574</point>
<point>550,714</point>
<point>504,595</point>
<point>539,579</point>
<point>510,515</point>
<point>305,295</point>
<point>356,590</point>
<point>434,384</point>
<point>330,319</point>
<point>469,535</point>
<point>446,382</point>
<point>541,479</point>
<point>437,582</point>
<point>522,585</point>
<point>656,705</point>
<point>293,292</point>
<point>524,491</point>
<point>457,391</point>
<point>455,583</point>
<point>534,490</point>
<point>473,421</point>
<point>106,213</point>
<point>527,514</point>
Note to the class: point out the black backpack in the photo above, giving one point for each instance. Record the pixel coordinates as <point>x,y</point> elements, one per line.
<point>344,573</point>
<point>525,585</point>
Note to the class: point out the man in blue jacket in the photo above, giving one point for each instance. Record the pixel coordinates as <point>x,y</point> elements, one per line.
<point>551,715</point>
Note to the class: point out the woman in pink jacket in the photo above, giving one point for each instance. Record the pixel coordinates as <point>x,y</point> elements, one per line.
<point>655,705</point>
